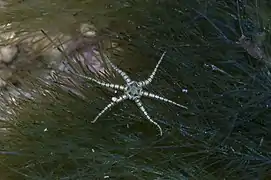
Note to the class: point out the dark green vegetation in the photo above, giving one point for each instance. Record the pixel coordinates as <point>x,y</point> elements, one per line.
<point>225,133</point>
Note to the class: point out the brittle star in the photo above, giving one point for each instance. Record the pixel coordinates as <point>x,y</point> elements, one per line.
<point>133,90</point>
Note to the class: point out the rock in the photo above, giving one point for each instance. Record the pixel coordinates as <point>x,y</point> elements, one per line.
<point>83,51</point>
<point>255,49</point>
<point>2,83</point>
<point>88,30</point>
<point>5,32</point>
<point>8,53</point>
<point>92,59</point>
<point>5,74</point>
<point>3,4</point>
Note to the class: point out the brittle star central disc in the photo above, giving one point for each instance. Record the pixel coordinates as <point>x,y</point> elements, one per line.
<point>134,90</point>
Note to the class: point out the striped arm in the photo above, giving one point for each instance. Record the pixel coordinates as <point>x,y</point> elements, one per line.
<point>149,80</point>
<point>151,95</point>
<point>113,103</point>
<point>140,106</point>
<point>108,85</point>
<point>121,73</point>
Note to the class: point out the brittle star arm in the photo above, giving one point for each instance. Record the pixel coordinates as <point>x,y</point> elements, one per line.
<point>125,77</point>
<point>113,103</point>
<point>150,78</point>
<point>154,96</point>
<point>141,107</point>
<point>108,85</point>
